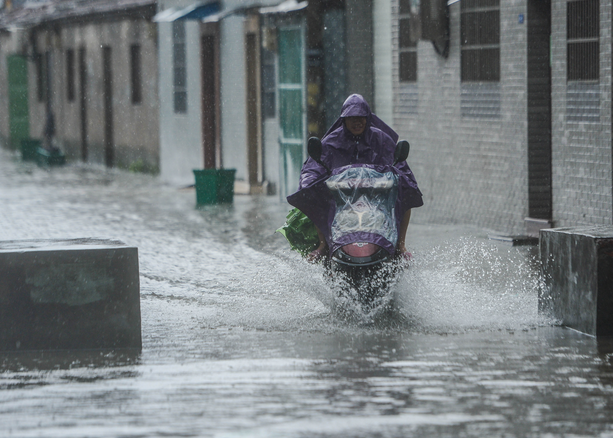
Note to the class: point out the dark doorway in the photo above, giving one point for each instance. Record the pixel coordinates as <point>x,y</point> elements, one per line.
<point>19,113</point>
<point>253,133</point>
<point>539,112</point>
<point>83,102</point>
<point>209,100</point>
<point>108,106</point>
<point>48,82</point>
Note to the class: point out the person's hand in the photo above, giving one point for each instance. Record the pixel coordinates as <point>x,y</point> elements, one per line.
<point>403,253</point>
<point>318,254</point>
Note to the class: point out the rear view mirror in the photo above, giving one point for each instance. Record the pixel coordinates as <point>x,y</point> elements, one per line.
<point>402,151</point>
<point>314,149</point>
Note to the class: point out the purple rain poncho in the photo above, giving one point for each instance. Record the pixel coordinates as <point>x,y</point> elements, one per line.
<point>375,147</point>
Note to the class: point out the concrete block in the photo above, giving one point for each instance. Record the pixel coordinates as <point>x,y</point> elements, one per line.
<point>577,266</point>
<point>69,294</point>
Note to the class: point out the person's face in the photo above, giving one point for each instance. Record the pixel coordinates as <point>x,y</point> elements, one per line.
<point>355,125</point>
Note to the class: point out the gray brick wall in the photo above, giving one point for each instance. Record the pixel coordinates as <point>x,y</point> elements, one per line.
<point>474,168</point>
<point>471,169</point>
<point>581,146</point>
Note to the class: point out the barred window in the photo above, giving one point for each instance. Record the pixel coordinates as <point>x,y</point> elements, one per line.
<point>269,85</point>
<point>179,65</point>
<point>407,45</point>
<point>583,40</point>
<point>480,40</point>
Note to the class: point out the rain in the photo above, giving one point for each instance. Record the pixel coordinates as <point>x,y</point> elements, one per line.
<point>241,336</point>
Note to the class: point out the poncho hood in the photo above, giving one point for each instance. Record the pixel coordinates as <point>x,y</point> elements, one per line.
<point>356,106</point>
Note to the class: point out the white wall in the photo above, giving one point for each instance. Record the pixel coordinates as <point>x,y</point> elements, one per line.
<point>382,27</point>
<point>233,96</point>
<point>180,134</point>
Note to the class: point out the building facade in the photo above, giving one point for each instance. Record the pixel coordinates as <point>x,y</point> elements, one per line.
<point>507,105</point>
<point>510,127</point>
<point>260,78</point>
<point>208,53</point>
<point>92,70</point>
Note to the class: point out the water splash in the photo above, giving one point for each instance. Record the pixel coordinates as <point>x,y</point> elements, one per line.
<point>465,284</point>
<point>472,284</point>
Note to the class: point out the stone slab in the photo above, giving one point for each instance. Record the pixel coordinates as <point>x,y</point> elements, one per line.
<point>69,294</point>
<point>515,240</point>
<point>577,266</point>
<point>534,226</point>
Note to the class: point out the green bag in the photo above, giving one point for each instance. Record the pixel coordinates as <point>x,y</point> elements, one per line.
<point>300,232</point>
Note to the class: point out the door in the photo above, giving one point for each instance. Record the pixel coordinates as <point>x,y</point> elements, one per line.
<point>210,99</point>
<point>83,102</point>
<point>19,115</point>
<point>291,106</point>
<point>107,81</point>
<point>254,143</point>
<point>539,110</point>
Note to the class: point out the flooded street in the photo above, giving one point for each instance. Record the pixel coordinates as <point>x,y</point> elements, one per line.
<point>240,338</point>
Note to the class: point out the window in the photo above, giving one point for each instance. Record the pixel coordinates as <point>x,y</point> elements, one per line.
<point>179,64</point>
<point>135,74</point>
<point>583,61</point>
<point>70,76</point>
<point>583,39</point>
<point>480,40</point>
<point>268,83</point>
<point>407,43</point>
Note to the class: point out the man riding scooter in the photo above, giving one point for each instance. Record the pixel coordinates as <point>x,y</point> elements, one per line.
<point>357,137</point>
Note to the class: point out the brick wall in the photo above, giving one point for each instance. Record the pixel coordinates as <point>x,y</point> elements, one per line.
<point>472,164</point>
<point>471,168</point>
<point>581,143</point>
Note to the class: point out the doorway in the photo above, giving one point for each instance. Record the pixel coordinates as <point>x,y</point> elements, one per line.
<point>291,106</point>
<point>539,115</point>
<point>107,87</point>
<point>19,113</point>
<point>83,102</point>
<point>254,119</point>
<point>209,44</point>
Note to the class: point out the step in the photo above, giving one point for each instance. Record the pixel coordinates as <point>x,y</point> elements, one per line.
<point>69,294</point>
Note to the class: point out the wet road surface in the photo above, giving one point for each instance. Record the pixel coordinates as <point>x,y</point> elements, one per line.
<point>240,340</point>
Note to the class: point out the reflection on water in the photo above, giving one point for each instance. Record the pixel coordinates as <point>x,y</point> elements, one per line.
<point>27,369</point>
<point>240,337</point>
<point>64,360</point>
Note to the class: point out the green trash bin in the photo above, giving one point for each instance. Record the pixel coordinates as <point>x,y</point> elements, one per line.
<point>28,149</point>
<point>214,186</point>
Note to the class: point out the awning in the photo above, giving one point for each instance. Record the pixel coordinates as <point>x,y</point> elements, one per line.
<point>197,11</point>
<point>284,7</point>
<point>211,11</point>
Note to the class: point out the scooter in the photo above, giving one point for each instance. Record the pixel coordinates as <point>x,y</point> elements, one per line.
<point>364,229</point>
